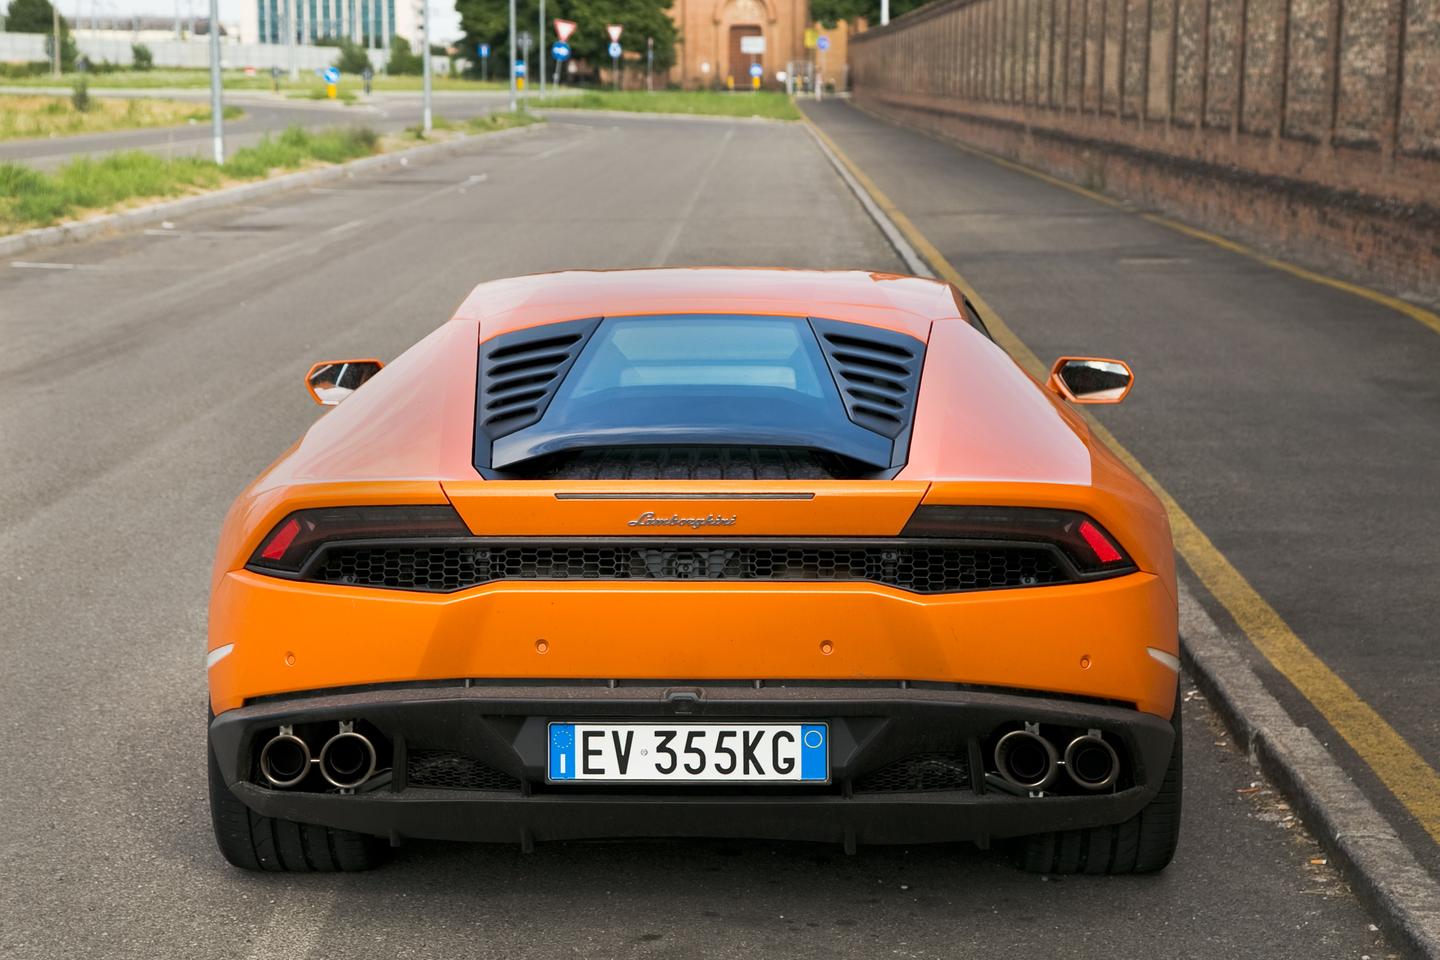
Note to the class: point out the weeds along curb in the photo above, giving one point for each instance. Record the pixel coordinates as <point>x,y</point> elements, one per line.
<point>111,223</point>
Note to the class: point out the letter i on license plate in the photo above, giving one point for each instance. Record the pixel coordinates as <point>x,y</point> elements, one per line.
<point>690,752</point>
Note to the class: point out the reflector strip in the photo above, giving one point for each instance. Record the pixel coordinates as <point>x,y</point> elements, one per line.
<point>218,654</point>
<point>1105,551</point>
<point>1169,659</point>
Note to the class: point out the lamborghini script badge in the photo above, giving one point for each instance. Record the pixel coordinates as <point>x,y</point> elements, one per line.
<point>648,519</point>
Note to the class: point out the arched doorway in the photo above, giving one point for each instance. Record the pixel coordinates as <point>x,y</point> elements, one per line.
<point>737,20</point>
<point>738,62</point>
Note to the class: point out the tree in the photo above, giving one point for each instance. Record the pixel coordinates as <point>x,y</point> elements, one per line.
<point>30,16</point>
<point>403,60</point>
<point>140,56</point>
<point>485,21</point>
<point>352,57</point>
<point>831,12</point>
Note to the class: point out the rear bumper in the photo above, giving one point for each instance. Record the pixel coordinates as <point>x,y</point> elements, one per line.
<point>873,728</point>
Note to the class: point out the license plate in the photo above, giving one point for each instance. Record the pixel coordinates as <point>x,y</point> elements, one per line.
<point>690,752</point>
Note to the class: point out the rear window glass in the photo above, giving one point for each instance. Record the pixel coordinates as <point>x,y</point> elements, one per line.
<point>700,352</point>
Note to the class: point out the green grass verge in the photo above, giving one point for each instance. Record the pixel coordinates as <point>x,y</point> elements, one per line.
<point>30,198</point>
<point>490,123</point>
<point>762,103</point>
<point>26,115</point>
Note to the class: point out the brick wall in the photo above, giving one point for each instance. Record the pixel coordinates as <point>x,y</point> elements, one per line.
<point>1307,126</point>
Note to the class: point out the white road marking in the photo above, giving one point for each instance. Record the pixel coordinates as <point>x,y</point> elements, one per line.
<point>341,228</point>
<point>42,265</point>
<point>667,246</point>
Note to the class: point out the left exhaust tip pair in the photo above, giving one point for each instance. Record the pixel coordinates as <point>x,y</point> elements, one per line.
<point>346,760</point>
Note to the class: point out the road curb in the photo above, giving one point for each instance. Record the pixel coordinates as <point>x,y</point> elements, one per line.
<point>112,223</point>
<point>571,112</point>
<point>1385,875</point>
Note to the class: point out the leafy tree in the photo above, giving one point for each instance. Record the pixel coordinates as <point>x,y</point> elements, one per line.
<point>140,56</point>
<point>403,60</point>
<point>352,57</point>
<point>831,12</point>
<point>487,22</point>
<point>30,16</point>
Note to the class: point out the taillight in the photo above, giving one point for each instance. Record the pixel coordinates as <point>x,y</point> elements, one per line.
<point>296,538</point>
<point>1087,544</point>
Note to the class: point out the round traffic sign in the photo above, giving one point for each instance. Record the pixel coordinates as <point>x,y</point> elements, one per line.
<point>614,51</point>
<point>756,70</point>
<point>560,50</point>
<point>332,75</point>
<point>823,43</point>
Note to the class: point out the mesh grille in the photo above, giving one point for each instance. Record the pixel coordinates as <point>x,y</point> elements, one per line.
<point>690,463</point>
<point>918,772</point>
<point>920,569</point>
<point>455,771</point>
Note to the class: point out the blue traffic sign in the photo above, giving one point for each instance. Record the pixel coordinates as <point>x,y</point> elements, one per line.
<point>823,43</point>
<point>614,51</point>
<point>520,68</point>
<point>756,70</point>
<point>483,49</point>
<point>331,75</point>
<point>560,50</point>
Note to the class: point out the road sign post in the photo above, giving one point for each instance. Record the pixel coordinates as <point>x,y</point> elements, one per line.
<point>615,29</point>
<point>559,52</point>
<point>540,42</point>
<point>484,51</point>
<point>649,64</point>
<point>523,65</point>
<point>331,76</point>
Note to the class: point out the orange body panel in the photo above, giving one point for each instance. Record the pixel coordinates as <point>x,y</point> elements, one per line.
<point>984,434</point>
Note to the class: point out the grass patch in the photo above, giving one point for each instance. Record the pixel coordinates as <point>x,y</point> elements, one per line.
<point>42,116</point>
<point>30,198</point>
<point>343,94</point>
<point>761,103</point>
<point>490,123</point>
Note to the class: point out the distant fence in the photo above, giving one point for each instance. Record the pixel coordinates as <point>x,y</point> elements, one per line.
<point>1340,95</point>
<point>21,47</point>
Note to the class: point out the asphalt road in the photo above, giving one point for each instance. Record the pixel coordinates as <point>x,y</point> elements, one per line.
<point>1298,425</point>
<point>146,378</point>
<point>264,114</point>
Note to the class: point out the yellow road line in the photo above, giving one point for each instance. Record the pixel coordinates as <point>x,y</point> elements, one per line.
<point>1398,765</point>
<point>1415,312</point>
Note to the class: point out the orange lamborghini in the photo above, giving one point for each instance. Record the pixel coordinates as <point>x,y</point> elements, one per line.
<point>762,553</point>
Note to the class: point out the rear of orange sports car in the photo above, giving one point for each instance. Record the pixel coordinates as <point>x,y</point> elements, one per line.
<point>698,553</point>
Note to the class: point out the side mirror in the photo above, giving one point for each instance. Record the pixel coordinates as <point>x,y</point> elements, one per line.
<point>331,381</point>
<point>1091,379</point>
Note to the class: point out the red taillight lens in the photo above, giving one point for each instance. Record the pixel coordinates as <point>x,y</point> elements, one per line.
<point>300,535</point>
<point>1080,538</point>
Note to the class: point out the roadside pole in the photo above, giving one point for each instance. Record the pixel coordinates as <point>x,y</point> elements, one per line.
<point>649,63</point>
<point>55,38</point>
<point>217,108</point>
<point>510,64</point>
<point>884,12</point>
<point>427,119</point>
<point>540,43</point>
<point>290,38</point>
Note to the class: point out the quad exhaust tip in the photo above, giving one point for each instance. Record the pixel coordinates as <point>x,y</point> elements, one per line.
<point>1091,762</point>
<point>348,759</point>
<point>285,759</point>
<point>1026,760</point>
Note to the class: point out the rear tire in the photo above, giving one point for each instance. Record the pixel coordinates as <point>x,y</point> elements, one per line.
<point>253,842</point>
<point>1143,844</point>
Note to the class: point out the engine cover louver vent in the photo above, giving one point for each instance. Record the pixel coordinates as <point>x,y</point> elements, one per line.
<point>877,371</point>
<point>519,373</point>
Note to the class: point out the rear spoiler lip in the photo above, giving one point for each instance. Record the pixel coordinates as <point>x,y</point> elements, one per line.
<point>847,440</point>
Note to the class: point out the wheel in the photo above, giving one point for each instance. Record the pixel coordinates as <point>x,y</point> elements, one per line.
<point>1143,844</point>
<point>253,842</point>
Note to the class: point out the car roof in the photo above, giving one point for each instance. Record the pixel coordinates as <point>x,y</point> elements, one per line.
<point>900,303</point>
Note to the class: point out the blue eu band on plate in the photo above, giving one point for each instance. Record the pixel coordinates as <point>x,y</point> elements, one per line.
<point>689,752</point>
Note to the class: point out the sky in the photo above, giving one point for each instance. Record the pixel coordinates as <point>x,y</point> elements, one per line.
<point>445,26</point>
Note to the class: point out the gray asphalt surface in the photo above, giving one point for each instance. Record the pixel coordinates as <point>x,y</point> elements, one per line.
<point>1298,425</point>
<point>264,114</point>
<point>146,378</point>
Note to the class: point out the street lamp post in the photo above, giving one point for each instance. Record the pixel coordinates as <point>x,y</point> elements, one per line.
<point>427,118</point>
<point>217,109</point>
<point>511,65</point>
<point>540,41</point>
<point>55,38</point>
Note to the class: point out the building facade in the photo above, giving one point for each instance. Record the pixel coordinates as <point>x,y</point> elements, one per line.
<point>370,23</point>
<point>720,40</point>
